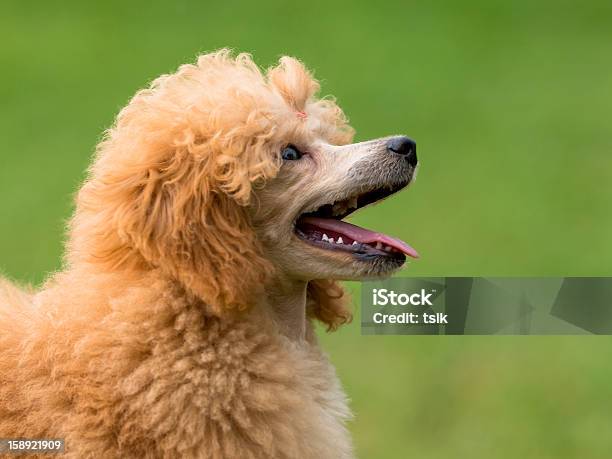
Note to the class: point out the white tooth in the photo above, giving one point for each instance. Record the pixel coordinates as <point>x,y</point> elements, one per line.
<point>355,243</point>
<point>325,238</point>
<point>331,240</point>
<point>379,245</point>
<point>340,241</point>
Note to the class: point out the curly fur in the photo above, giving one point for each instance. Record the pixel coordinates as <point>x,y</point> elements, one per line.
<point>155,340</point>
<point>169,173</point>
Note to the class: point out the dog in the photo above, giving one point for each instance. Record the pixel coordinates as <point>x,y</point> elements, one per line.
<point>207,240</point>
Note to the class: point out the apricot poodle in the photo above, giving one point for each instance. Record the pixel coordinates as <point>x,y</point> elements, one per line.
<point>206,240</point>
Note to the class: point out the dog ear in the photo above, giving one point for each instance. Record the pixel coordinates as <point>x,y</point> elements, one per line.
<point>326,301</point>
<point>172,180</point>
<point>181,212</point>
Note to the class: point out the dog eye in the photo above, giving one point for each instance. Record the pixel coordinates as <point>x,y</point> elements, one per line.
<point>290,153</point>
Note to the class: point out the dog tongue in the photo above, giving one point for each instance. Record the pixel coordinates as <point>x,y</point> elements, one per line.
<point>359,234</point>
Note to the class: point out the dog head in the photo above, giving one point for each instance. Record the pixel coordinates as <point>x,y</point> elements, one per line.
<point>223,177</point>
<point>300,214</point>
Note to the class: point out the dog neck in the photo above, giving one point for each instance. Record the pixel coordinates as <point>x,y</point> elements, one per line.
<point>287,300</point>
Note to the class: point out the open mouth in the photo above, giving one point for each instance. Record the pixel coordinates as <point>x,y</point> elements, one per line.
<point>324,228</point>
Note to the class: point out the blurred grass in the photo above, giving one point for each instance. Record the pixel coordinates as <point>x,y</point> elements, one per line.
<point>510,103</point>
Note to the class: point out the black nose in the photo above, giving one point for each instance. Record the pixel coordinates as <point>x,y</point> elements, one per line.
<point>404,146</point>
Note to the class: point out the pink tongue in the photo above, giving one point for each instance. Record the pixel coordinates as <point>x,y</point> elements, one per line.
<point>359,234</point>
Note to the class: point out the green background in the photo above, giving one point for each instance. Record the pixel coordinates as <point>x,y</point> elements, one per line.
<point>511,106</point>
